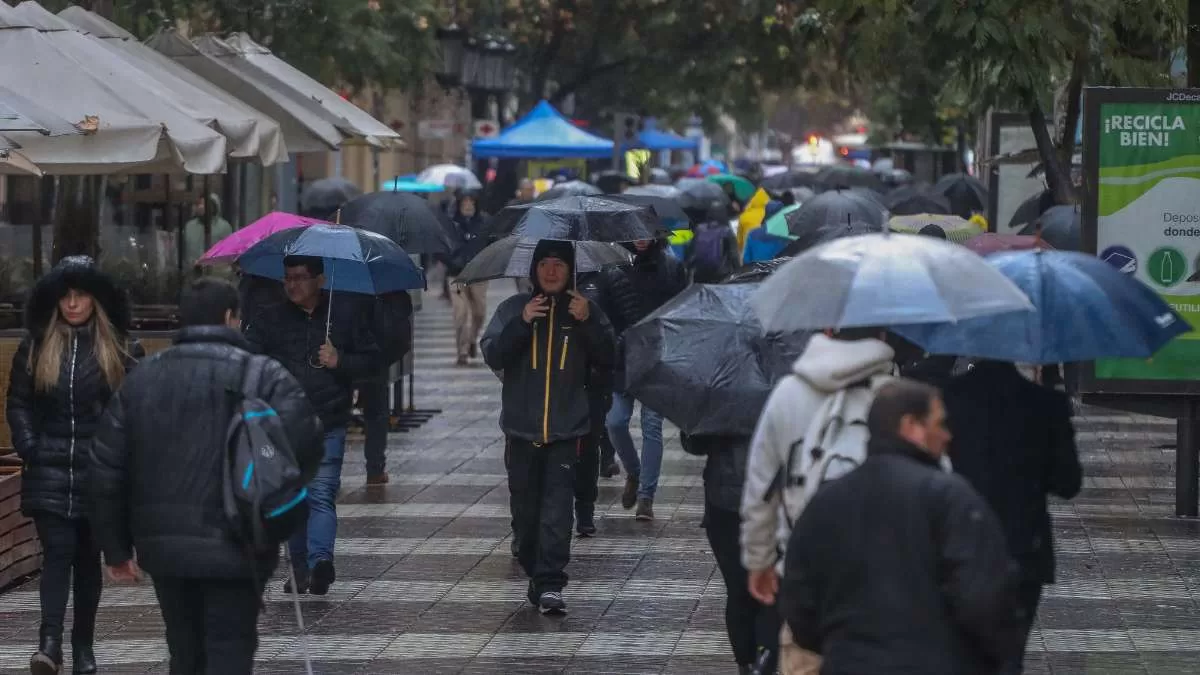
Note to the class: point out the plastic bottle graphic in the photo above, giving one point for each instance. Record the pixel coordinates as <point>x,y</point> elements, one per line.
<point>1166,269</point>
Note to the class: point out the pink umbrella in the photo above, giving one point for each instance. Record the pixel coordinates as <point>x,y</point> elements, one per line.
<point>990,242</point>
<point>228,249</point>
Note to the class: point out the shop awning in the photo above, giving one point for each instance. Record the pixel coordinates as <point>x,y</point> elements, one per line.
<point>250,133</point>
<point>544,132</point>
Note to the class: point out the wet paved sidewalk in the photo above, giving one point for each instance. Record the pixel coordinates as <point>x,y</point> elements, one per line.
<point>426,583</point>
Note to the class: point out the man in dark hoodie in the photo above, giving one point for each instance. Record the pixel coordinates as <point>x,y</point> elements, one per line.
<point>546,344</point>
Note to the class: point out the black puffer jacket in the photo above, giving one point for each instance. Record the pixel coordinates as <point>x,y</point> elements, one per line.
<point>294,337</point>
<point>52,430</point>
<point>900,568</point>
<point>157,462</point>
<point>725,470</point>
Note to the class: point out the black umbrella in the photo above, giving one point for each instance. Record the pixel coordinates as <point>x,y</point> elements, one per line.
<point>838,207</point>
<point>654,190</point>
<point>571,188</point>
<point>1031,208</point>
<point>911,200</point>
<point>405,218</point>
<point>701,194</point>
<point>578,219</point>
<point>1061,227</point>
<point>703,362</point>
<point>322,198</point>
<point>966,194</point>
<point>668,210</point>
<point>828,232</point>
<point>847,176</point>
<point>612,182</point>
<point>512,257</point>
<point>756,271</point>
<point>789,179</point>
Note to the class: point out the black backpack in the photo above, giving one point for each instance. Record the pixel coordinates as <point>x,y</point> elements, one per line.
<point>264,491</point>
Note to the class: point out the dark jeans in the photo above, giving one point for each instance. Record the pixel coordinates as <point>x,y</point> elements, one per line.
<point>212,624</point>
<point>373,395</point>
<point>541,487</point>
<point>71,558</point>
<point>1029,595</point>
<point>751,625</point>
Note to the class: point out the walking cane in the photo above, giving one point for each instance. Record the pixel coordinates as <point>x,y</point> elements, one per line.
<point>300,637</point>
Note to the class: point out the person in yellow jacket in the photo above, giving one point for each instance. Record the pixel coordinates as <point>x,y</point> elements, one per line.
<point>752,216</point>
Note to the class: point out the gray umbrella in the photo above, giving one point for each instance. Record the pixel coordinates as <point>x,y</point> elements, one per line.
<point>884,280</point>
<point>703,362</point>
<point>512,257</point>
<point>571,188</point>
<point>323,197</point>
<point>1060,227</point>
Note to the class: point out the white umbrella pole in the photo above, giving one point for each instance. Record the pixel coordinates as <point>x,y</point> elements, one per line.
<point>329,309</point>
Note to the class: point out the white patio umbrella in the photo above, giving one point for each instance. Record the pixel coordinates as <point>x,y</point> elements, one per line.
<point>250,133</point>
<point>451,176</point>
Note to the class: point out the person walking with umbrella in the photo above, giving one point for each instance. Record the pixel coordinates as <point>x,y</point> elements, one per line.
<point>546,344</point>
<point>75,354</point>
<point>326,353</point>
<point>628,296</point>
<point>469,302</point>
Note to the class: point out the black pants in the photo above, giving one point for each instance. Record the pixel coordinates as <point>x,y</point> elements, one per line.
<point>373,397</point>
<point>750,624</point>
<point>1029,594</point>
<point>587,473</point>
<point>71,558</point>
<point>541,488</point>
<point>212,624</point>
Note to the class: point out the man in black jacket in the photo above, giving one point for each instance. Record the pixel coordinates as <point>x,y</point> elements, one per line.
<point>156,482</point>
<point>1014,442</point>
<point>630,295</point>
<point>546,345</point>
<point>294,333</point>
<point>900,567</point>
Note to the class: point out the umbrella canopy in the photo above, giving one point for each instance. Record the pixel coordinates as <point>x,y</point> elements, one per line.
<point>967,196</point>
<point>697,194</point>
<point>18,113</point>
<point>450,176</point>
<point>512,257</point>
<point>1061,226</point>
<point>909,200</point>
<point>756,271</point>
<point>777,224</point>
<point>842,176</point>
<point>654,190</point>
<point>790,179</point>
<point>322,198</point>
<point>667,210</point>
<point>612,182</point>
<point>409,185</point>
<point>954,228</point>
<point>1086,309</point>
<point>228,249</point>
<point>703,362</point>
<point>659,176</point>
<point>743,189</point>
<point>406,219</point>
<point>990,242</point>
<point>883,280</point>
<point>827,233</point>
<point>837,207</point>
<point>895,178</point>
<point>578,219</point>
<point>356,261</point>
<point>571,188</point>
<point>1031,208</point>
<point>709,167</point>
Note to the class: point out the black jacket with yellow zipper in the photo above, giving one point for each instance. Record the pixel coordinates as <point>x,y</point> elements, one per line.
<point>545,367</point>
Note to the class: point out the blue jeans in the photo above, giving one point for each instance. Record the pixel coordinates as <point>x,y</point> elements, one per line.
<point>313,542</point>
<point>652,442</point>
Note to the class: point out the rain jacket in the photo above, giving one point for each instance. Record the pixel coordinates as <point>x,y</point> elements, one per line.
<point>762,246</point>
<point>545,366</point>
<point>752,217</point>
<point>769,503</point>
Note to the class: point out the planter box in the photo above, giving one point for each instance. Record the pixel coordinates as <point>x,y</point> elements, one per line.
<point>20,550</point>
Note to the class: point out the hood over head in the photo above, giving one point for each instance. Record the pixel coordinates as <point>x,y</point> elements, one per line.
<point>77,272</point>
<point>829,365</point>
<point>552,248</point>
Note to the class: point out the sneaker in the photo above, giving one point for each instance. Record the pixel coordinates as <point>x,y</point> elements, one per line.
<point>322,577</point>
<point>551,602</point>
<point>380,478</point>
<point>645,509</point>
<point>629,494</point>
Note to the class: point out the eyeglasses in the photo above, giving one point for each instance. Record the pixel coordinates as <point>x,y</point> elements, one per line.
<point>300,279</point>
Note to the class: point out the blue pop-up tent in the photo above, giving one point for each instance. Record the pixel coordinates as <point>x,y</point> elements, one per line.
<point>653,139</point>
<point>543,133</point>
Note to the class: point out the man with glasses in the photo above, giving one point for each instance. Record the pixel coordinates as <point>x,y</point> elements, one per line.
<point>326,361</point>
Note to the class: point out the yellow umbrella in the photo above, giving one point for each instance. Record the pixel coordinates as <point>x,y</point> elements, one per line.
<point>956,229</point>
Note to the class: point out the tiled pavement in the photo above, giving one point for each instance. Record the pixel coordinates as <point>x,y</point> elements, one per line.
<point>426,583</point>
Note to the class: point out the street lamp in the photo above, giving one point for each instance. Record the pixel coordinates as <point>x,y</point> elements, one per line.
<point>452,44</point>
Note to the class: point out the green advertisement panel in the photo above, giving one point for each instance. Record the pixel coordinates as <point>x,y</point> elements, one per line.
<point>1147,210</point>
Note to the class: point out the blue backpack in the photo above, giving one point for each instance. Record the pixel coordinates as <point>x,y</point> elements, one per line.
<point>265,497</point>
<point>710,262</point>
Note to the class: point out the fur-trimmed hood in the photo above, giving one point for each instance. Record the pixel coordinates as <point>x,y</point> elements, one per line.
<point>81,273</point>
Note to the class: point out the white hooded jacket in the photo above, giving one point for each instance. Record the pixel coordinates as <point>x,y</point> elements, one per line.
<point>770,501</point>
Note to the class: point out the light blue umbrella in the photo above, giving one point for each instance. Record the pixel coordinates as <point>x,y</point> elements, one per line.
<point>407,185</point>
<point>1086,309</point>
<point>883,280</point>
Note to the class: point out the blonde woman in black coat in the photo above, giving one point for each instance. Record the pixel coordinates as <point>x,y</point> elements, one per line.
<point>74,356</point>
